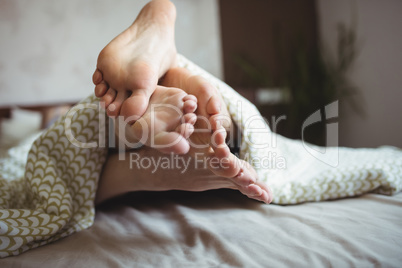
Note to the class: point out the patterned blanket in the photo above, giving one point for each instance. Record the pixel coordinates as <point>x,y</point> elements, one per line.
<point>48,187</point>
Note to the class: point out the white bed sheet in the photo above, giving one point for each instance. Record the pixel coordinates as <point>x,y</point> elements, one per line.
<point>224,229</point>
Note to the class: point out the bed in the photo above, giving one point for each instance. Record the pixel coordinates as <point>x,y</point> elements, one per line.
<point>218,228</point>
<point>222,228</point>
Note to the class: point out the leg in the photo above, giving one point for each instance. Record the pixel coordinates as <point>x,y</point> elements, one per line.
<point>129,67</point>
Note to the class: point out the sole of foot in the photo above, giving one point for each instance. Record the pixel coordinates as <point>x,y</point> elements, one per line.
<point>168,121</point>
<point>129,67</point>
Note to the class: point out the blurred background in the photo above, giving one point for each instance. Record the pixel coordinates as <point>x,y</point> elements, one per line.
<point>288,57</point>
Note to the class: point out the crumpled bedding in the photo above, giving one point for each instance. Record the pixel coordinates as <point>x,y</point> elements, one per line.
<point>223,228</point>
<point>53,197</point>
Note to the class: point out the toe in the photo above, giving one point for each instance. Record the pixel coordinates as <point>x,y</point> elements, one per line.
<point>244,178</point>
<point>97,77</point>
<point>227,167</point>
<point>253,191</point>
<point>135,105</point>
<point>190,118</point>
<point>190,104</point>
<point>267,195</point>
<point>114,107</point>
<point>109,97</point>
<point>190,97</point>
<point>170,142</point>
<point>258,191</point>
<point>213,105</point>
<point>217,120</point>
<point>229,164</point>
<point>101,89</point>
<point>263,197</point>
<point>185,130</point>
<point>207,95</point>
<point>218,143</point>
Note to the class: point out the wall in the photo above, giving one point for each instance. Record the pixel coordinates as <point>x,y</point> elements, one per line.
<point>263,33</point>
<point>378,70</point>
<point>48,49</point>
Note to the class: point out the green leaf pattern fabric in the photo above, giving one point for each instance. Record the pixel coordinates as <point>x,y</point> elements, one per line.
<point>54,197</point>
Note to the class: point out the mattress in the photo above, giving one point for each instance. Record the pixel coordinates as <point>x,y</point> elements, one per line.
<point>222,228</point>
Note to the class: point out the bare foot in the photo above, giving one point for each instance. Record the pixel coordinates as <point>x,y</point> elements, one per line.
<point>225,164</point>
<point>167,123</point>
<point>129,67</point>
<point>211,128</point>
<point>146,170</point>
<point>210,165</point>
